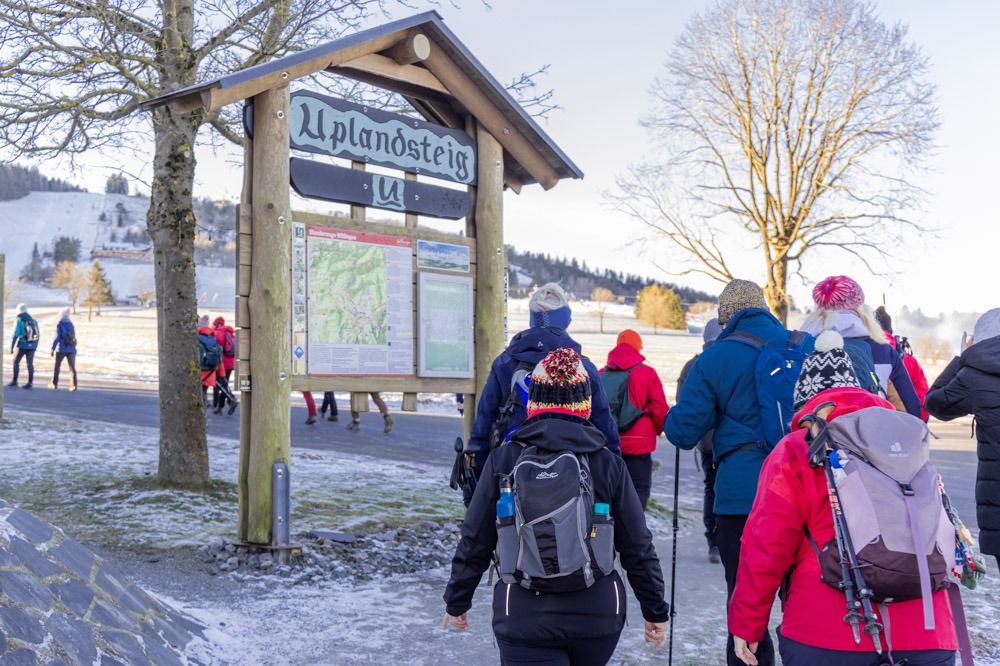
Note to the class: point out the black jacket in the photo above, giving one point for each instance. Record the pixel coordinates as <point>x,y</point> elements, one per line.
<point>588,613</point>
<point>971,385</point>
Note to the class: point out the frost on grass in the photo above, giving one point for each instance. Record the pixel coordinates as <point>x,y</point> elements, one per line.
<point>97,481</point>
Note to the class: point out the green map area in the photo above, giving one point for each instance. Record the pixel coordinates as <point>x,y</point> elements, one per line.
<point>347,293</point>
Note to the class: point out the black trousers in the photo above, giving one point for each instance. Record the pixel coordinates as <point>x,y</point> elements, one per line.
<point>329,402</point>
<point>728,531</point>
<point>708,508</point>
<point>71,359</point>
<point>640,468</point>
<point>219,396</point>
<point>794,653</point>
<point>29,360</point>
<point>574,652</point>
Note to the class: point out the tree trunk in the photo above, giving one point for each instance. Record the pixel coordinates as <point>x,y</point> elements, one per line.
<point>171,223</point>
<point>775,290</point>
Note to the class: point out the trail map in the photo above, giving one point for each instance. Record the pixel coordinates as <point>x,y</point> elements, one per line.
<point>360,303</point>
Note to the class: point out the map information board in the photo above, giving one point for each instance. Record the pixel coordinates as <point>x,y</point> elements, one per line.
<point>360,303</point>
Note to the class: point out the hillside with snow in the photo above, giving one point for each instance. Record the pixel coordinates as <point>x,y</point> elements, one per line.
<point>102,222</point>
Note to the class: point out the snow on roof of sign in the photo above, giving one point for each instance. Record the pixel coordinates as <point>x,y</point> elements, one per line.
<point>530,154</point>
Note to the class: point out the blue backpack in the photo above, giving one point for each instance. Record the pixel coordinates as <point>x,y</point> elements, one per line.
<point>864,364</point>
<point>209,352</point>
<point>777,369</point>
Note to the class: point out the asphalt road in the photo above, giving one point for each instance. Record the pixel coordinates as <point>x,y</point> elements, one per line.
<point>429,438</point>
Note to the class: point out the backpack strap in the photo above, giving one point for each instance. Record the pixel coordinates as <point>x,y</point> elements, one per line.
<point>922,568</point>
<point>748,339</point>
<point>961,626</point>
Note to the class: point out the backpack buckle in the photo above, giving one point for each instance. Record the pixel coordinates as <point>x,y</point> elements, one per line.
<point>907,489</point>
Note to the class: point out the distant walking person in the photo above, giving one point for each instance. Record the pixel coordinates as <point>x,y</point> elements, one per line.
<point>329,402</point>
<point>638,405</point>
<point>209,357</point>
<point>310,407</point>
<point>64,347</point>
<point>355,424</point>
<point>26,341</point>
<point>226,337</point>
<point>705,449</point>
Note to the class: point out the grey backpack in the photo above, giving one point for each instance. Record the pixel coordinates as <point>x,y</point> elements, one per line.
<point>554,509</point>
<point>891,499</point>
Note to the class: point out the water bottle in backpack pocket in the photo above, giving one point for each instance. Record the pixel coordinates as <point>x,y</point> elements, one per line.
<point>506,529</point>
<point>602,538</point>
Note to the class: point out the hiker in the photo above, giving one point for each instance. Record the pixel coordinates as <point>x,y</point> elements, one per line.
<point>310,407</point>
<point>355,424</point>
<point>711,332</point>
<point>498,410</point>
<point>64,347</point>
<point>227,340</point>
<point>910,362</point>
<point>970,384</point>
<point>626,369</point>
<point>329,402</point>
<point>840,306</point>
<point>792,511</point>
<point>209,355</point>
<point>721,392</point>
<point>26,340</point>
<point>460,403</point>
<point>570,622</point>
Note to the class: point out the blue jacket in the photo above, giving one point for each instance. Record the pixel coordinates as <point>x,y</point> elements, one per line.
<point>64,331</point>
<point>722,383</point>
<point>20,330</point>
<point>532,345</point>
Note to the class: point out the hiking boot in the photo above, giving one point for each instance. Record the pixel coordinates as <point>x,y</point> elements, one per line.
<point>52,386</point>
<point>353,426</point>
<point>28,385</point>
<point>311,420</point>
<point>388,424</point>
<point>713,555</point>
<point>13,384</point>
<point>333,417</point>
<point>73,387</point>
<point>232,407</point>
<point>217,410</point>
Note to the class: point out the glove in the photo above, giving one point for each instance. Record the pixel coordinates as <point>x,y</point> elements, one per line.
<point>971,576</point>
<point>52,353</point>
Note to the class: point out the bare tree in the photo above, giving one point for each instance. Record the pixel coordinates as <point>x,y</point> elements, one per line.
<point>796,123</point>
<point>144,287</point>
<point>603,297</point>
<point>72,77</point>
<point>70,278</point>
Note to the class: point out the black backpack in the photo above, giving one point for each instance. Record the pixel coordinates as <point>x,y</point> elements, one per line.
<point>31,331</point>
<point>69,339</point>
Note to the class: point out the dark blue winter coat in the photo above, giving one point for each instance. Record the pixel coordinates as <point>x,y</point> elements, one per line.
<point>522,615</point>
<point>20,331</point>
<point>64,332</point>
<point>722,383</point>
<point>532,345</point>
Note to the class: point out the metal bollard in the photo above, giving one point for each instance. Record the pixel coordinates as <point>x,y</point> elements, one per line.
<point>280,509</point>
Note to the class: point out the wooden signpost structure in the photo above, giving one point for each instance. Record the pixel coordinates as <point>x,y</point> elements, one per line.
<point>297,330</point>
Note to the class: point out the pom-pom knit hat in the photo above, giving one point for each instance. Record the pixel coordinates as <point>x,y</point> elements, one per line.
<point>203,321</point>
<point>838,292</point>
<point>827,367</point>
<point>219,321</point>
<point>739,295</point>
<point>560,384</point>
<point>631,338</point>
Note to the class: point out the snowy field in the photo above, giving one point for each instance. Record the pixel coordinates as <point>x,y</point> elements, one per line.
<point>109,501</point>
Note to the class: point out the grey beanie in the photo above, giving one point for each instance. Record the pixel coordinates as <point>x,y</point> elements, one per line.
<point>712,330</point>
<point>739,295</point>
<point>21,308</point>
<point>202,321</point>
<point>987,326</point>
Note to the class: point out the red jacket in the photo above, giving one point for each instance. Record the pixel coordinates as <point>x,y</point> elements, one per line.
<point>791,496</point>
<point>916,374</point>
<point>645,390</point>
<point>228,362</point>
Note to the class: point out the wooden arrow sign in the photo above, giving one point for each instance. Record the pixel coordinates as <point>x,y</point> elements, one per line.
<point>328,182</point>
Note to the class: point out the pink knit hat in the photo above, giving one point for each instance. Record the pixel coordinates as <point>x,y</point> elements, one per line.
<point>838,292</point>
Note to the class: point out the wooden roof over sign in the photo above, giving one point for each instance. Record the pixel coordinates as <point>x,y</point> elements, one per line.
<point>444,83</point>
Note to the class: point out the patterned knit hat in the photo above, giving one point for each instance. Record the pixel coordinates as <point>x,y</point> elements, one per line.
<point>560,384</point>
<point>838,292</point>
<point>739,295</point>
<point>827,367</point>
<point>630,337</point>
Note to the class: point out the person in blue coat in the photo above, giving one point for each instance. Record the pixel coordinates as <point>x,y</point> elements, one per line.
<point>720,392</point>
<point>26,340</point>
<point>64,347</point>
<point>550,315</point>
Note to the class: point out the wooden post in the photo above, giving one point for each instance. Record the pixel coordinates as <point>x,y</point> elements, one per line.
<point>3,340</point>
<point>243,328</point>
<point>270,307</point>
<point>490,257</point>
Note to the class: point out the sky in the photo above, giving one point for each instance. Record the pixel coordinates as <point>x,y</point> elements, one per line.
<point>602,59</point>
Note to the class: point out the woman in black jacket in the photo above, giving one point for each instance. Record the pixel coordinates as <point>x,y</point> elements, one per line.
<point>971,385</point>
<point>573,627</point>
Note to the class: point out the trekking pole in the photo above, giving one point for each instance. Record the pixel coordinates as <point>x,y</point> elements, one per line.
<point>673,556</point>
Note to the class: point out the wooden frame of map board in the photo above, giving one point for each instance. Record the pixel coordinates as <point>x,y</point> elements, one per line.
<point>414,382</point>
<point>446,326</point>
